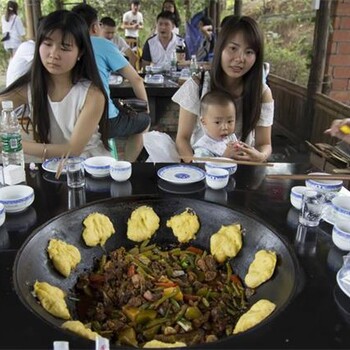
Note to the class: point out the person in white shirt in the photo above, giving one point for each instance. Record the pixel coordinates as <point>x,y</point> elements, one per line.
<point>158,49</point>
<point>133,20</point>
<point>108,31</point>
<point>20,62</point>
<point>11,23</point>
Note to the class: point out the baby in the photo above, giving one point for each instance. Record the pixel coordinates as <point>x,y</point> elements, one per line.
<point>218,118</point>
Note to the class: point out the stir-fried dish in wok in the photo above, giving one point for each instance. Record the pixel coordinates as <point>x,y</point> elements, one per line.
<point>148,293</point>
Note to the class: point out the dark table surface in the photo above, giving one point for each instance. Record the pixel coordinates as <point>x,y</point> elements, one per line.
<point>317,318</point>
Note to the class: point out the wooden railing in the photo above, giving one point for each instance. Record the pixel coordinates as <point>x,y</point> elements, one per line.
<point>290,101</point>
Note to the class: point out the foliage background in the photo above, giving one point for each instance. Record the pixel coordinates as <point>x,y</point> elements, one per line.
<point>288,27</point>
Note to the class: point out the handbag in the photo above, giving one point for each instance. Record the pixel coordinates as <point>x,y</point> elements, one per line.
<point>6,35</point>
<point>130,106</point>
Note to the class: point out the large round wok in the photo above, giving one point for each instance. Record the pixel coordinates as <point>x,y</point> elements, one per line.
<point>32,262</point>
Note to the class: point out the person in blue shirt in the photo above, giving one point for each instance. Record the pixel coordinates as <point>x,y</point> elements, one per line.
<point>109,59</point>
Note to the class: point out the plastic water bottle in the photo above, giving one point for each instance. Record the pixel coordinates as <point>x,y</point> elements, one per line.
<point>11,139</point>
<point>193,65</point>
<point>173,63</point>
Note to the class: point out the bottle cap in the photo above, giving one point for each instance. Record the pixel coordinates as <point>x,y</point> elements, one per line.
<point>60,345</point>
<point>7,104</point>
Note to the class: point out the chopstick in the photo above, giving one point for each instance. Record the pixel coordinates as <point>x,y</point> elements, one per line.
<point>220,160</point>
<point>61,165</point>
<point>342,171</point>
<point>307,177</point>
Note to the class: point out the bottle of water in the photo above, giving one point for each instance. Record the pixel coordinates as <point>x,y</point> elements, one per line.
<point>193,65</point>
<point>173,63</point>
<point>11,139</point>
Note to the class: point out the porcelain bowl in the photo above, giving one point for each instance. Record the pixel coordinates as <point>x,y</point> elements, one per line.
<point>16,198</point>
<point>120,170</point>
<point>341,208</point>
<point>217,178</point>
<point>230,167</point>
<point>2,214</point>
<point>296,195</point>
<point>341,234</point>
<point>324,185</point>
<point>98,166</point>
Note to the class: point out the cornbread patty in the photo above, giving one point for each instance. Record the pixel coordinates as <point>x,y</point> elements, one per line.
<point>79,328</point>
<point>98,228</point>
<point>261,269</point>
<point>227,242</point>
<point>184,225</point>
<point>52,299</point>
<point>65,257</point>
<point>142,224</point>
<point>257,313</point>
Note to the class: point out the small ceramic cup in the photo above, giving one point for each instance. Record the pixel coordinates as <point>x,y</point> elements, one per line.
<point>341,208</point>
<point>341,234</point>
<point>216,178</point>
<point>120,170</point>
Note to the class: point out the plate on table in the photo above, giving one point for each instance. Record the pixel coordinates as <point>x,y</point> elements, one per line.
<point>343,280</point>
<point>51,164</point>
<point>181,174</point>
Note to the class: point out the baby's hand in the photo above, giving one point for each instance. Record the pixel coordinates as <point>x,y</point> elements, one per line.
<point>230,149</point>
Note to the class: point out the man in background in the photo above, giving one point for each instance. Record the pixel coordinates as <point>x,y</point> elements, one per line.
<point>108,31</point>
<point>133,21</point>
<point>159,48</point>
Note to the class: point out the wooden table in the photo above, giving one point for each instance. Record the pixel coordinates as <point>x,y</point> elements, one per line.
<point>159,96</point>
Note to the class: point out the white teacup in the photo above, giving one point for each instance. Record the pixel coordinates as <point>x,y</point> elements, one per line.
<point>217,178</point>
<point>120,170</point>
<point>341,208</point>
<point>341,234</point>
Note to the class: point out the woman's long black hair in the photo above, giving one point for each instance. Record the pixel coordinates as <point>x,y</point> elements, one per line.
<point>11,9</point>
<point>70,24</point>
<point>252,80</point>
<point>177,18</point>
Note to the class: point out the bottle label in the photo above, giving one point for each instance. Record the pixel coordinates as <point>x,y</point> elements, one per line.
<point>11,143</point>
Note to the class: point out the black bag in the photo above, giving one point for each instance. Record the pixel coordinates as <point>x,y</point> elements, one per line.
<point>6,36</point>
<point>131,105</point>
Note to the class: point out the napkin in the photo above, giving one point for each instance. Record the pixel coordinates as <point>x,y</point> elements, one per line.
<point>14,174</point>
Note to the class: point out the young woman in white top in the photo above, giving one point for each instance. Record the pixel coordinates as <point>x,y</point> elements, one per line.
<point>12,23</point>
<point>64,91</point>
<point>237,68</point>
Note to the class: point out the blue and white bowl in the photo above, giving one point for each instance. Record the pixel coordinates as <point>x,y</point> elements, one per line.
<point>217,178</point>
<point>341,208</point>
<point>341,234</point>
<point>98,166</point>
<point>230,167</point>
<point>324,185</point>
<point>16,198</point>
<point>120,170</point>
<point>296,196</point>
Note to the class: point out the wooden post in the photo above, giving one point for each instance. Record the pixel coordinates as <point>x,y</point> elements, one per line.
<point>316,76</point>
<point>30,32</point>
<point>238,8</point>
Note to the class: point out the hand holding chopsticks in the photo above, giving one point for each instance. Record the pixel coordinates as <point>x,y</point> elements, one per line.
<point>221,160</point>
<point>61,165</point>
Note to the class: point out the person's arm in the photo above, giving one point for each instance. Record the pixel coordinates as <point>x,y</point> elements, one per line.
<point>263,144</point>
<point>18,97</point>
<point>146,58</point>
<point>340,128</point>
<point>186,126</point>
<point>85,126</point>
<point>128,72</point>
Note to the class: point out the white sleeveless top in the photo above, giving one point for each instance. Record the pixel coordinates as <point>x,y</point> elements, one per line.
<point>188,98</point>
<point>64,115</point>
